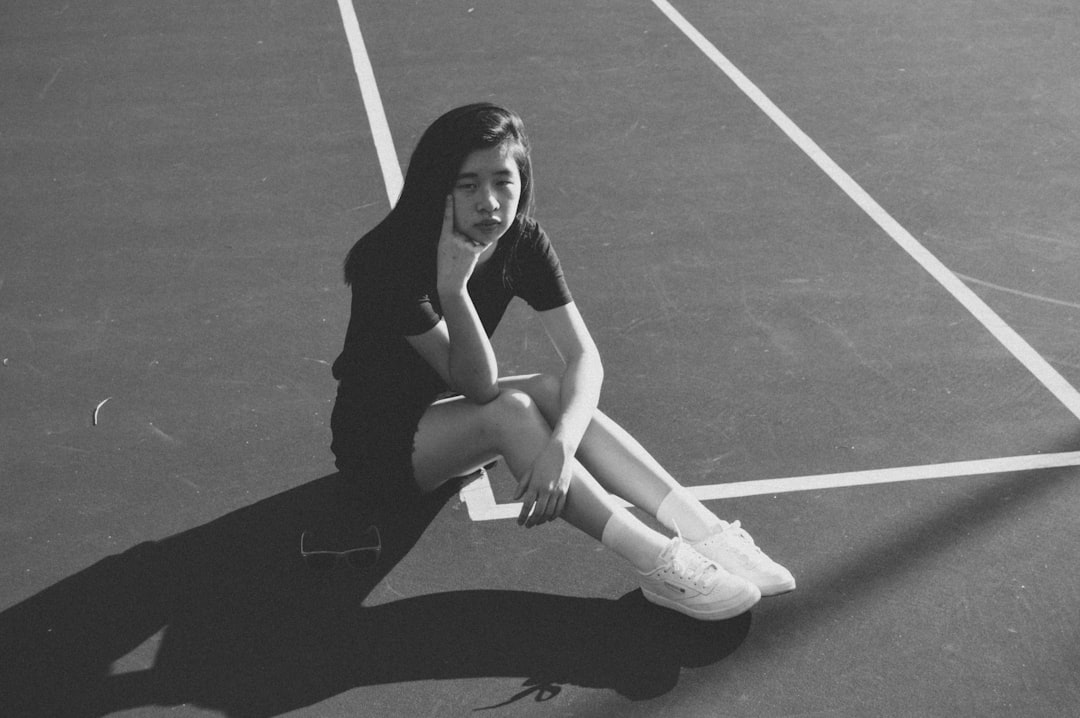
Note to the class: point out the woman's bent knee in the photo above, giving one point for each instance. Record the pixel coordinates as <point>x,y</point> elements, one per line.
<point>513,405</point>
<point>546,391</point>
<point>512,411</point>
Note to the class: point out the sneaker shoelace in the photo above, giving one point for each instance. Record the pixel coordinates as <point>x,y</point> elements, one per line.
<point>737,532</point>
<point>688,565</point>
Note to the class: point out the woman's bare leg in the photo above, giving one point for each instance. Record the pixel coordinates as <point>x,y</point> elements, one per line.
<point>455,437</point>
<point>621,464</point>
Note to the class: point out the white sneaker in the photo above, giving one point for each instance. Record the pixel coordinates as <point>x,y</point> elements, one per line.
<point>689,583</point>
<point>733,549</point>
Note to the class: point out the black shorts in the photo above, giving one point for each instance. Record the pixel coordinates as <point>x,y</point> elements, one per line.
<point>373,442</point>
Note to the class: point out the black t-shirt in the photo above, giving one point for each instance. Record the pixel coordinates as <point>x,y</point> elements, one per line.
<point>395,296</point>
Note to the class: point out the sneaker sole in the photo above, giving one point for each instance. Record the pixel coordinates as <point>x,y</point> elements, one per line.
<point>702,614</point>
<point>777,589</point>
<point>774,587</point>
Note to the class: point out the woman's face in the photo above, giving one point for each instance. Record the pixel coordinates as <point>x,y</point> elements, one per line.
<point>486,194</point>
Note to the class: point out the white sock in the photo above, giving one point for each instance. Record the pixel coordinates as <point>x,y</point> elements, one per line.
<point>681,511</point>
<point>633,540</point>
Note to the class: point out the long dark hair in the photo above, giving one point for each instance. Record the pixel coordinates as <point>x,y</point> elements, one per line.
<point>415,220</point>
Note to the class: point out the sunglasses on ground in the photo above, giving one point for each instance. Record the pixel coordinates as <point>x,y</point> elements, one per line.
<point>365,556</point>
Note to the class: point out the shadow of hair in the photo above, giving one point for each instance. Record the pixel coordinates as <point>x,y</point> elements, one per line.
<point>247,629</point>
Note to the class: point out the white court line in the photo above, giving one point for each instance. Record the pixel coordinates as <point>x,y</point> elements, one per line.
<point>480,501</point>
<point>1018,293</point>
<point>380,129</point>
<point>1046,374</point>
<point>478,496</point>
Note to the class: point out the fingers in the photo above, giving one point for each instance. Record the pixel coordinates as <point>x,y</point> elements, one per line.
<point>448,215</point>
<point>526,509</point>
<point>523,485</point>
<point>449,227</point>
<point>537,516</point>
<point>527,501</point>
<point>451,234</point>
<point>542,490</point>
<point>560,504</point>
<point>543,511</point>
<point>541,508</point>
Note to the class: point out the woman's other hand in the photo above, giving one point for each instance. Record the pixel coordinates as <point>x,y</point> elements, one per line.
<point>543,489</point>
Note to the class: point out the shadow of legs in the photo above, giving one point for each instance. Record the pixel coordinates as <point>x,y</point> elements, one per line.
<point>250,631</point>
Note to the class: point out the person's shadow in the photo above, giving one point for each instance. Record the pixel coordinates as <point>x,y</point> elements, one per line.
<point>249,630</point>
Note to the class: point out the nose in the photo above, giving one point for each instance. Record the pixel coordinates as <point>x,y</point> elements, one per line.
<point>487,201</point>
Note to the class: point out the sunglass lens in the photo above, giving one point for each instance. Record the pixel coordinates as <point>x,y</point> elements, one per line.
<point>320,561</point>
<point>363,558</point>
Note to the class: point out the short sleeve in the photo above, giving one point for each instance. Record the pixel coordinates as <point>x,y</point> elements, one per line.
<point>418,315</point>
<point>541,282</point>
<point>402,309</point>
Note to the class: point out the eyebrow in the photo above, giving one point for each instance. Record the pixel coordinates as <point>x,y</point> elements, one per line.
<point>475,175</point>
